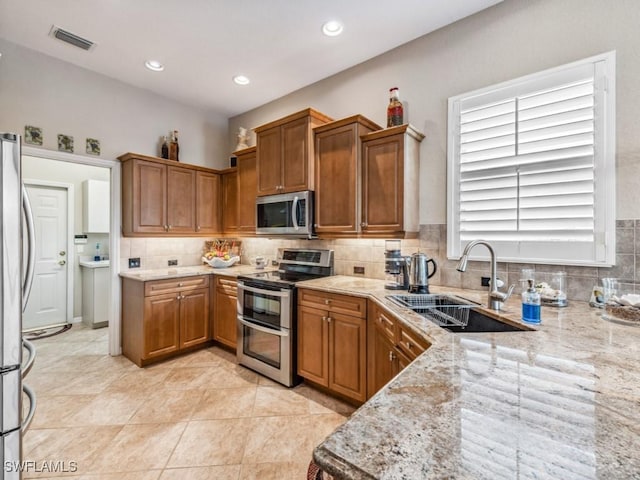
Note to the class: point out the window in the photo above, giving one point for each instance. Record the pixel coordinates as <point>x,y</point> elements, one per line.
<point>531,166</point>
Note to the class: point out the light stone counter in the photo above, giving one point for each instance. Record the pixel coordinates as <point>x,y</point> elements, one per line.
<point>561,402</point>
<point>175,272</point>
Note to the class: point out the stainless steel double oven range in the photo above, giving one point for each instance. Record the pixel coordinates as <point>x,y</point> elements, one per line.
<point>267,312</point>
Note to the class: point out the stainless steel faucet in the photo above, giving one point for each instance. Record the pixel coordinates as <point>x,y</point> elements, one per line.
<point>496,297</point>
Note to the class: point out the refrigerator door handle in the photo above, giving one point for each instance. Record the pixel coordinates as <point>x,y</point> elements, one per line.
<point>31,348</point>
<point>32,408</point>
<point>31,248</point>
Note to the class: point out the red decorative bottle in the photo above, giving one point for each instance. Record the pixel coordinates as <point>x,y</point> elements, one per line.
<point>394,110</point>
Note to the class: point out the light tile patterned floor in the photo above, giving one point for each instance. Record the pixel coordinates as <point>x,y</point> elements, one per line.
<point>199,416</point>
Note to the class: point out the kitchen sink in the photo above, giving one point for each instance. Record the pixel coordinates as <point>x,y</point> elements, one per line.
<point>455,314</point>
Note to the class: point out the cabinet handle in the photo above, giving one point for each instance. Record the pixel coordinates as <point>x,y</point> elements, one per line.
<point>409,345</point>
<point>180,284</point>
<point>166,228</point>
<point>363,224</point>
<point>324,319</point>
<point>328,319</point>
<point>327,301</point>
<point>170,226</point>
<point>392,356</point>
<point>178,297</point>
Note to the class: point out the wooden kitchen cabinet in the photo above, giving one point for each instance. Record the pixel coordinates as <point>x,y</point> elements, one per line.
<point>332,342</point>
<point>338,167</point>
<point>208,210</point>
<point>390,182</point>
<point>225,311</point>
<point>247,190</point>
<point>285,153</point>
<point>181,200</point>
<point>229,186</point>
<point>164,317</point>
<point>390,347</point>
<point>160,198</point>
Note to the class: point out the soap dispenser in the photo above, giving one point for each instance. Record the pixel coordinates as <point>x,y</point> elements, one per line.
<point>96,257</point>
<point>531,304</point>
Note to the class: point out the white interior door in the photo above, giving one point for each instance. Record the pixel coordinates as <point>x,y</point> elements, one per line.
<point>47,305</point>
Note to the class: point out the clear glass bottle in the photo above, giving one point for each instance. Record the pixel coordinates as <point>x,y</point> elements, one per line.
<point>531,304</point>
<point>395,111</point>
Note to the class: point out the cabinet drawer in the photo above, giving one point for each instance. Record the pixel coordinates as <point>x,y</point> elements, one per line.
<point>411,344</point>
<point>158,287</point>
<point>333,302</point>
<point>227,285</point>
<point>384,322</point>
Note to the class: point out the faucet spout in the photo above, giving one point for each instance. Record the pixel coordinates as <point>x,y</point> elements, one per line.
<point>496,297</point>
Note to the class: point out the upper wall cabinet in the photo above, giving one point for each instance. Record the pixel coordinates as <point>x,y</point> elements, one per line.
<point>390,182</point>
<point>161,197</point>
<point>338,167</point>
<point>247,187</point>
<point>95,211</point>
<point>285,153</point>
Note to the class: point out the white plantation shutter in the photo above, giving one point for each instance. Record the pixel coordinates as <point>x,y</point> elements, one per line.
<point>531,166</point>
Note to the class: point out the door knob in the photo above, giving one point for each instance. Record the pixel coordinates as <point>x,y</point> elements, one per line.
<point>62,253</point>
<point>62,262</point>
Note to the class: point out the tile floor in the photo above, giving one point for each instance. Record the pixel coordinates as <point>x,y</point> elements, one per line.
<point>199,416</point>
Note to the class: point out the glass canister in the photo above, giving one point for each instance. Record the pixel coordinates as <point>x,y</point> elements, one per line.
<point>553,289</point>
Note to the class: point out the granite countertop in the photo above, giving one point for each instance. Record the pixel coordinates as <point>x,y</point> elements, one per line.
<point>560,402</point>
<point>176,272</point>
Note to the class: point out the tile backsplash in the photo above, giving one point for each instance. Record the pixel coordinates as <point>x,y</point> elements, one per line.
<point>369,254</point>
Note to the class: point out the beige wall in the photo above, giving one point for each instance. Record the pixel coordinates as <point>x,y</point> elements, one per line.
<point>514,38</point>
<point>59,97</point>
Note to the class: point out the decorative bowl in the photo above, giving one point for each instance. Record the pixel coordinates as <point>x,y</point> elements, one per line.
<point>217,262</point>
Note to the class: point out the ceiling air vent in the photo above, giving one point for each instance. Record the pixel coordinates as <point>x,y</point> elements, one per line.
<point>71,38</point>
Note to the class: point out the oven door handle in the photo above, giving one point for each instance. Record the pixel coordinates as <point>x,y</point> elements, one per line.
<point>274,293</point>
<point>280,333</point>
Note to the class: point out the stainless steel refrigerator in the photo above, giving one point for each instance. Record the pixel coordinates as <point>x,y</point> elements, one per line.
<point>16,270</point>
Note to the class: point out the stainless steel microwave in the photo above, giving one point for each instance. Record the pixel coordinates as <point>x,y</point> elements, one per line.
<point>286,214</point>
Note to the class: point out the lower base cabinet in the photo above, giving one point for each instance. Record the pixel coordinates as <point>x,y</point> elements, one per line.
<point>390,348</point>
<point>225,311</point>
<point>332,344</point>
<point>164,317</point>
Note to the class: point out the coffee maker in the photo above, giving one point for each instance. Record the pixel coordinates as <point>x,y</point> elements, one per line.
<point>396,267</point>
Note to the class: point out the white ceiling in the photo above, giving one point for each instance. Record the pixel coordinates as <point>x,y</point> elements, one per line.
<point>278,44</point>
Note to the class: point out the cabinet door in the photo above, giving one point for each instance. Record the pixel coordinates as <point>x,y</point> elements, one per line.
<point>313,347</point>
<point>161,325</point>
<point>383,185</point>
<point>194,317</point>
<point>247,188</point>
<point>295,155</point>
<point>149,197</point>
<point>181,200</point>
<point>224,318</point>
<point>269,165</point>
<point>348,356</point>
<point>208,203</point>
<point>230,202</point>
<point>382,361</point>
<point>336,180</point>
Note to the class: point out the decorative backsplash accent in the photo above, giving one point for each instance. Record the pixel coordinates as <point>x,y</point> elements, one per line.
<point>369,254</point>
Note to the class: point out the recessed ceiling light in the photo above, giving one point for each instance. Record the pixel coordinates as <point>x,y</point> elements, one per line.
<point>332,28</point>
<point>241,80</point>
<point>154,65</point>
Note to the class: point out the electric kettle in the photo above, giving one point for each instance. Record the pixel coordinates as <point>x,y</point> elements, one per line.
<point>419,273</point>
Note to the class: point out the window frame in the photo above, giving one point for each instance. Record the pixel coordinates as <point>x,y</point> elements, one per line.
<point>604,165</point>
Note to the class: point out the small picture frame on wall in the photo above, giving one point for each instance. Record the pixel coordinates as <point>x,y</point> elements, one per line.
<point>32,135</point>
<point>65,143</point>
<point>93,146</point>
